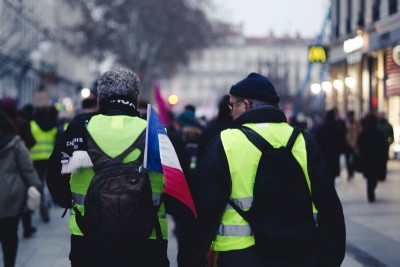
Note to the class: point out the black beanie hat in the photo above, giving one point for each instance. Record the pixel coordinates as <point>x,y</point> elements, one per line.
<point>257,87</point>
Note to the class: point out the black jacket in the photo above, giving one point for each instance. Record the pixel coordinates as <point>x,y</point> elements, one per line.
<point>213,188</point>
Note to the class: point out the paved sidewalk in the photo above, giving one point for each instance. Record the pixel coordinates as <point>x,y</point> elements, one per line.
<point>373,230</point>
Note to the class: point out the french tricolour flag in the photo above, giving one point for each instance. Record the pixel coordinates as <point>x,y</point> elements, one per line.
<point>160,156</point>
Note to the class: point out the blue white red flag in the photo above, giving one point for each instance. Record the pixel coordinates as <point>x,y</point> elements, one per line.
<point>160,156</point>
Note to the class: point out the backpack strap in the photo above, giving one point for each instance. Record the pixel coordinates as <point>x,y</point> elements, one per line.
<point>293,138</point>
<point>259,142</point>
<point>238,210</point>
<point>101,159</point>
<point>138,143</point>
<point>263,144</point>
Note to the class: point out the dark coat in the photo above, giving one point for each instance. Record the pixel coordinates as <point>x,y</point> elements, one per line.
<point>372,153</point>
<point>17,174</point>
<point>213,188</point>
<point>213,128</point>
<point>332,140</point>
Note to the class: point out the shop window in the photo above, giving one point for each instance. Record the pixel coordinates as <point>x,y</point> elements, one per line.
<point>376,10</point>
<point>392,7</point>
<point>348,25</point>
<point>337,26</point>
<point>360,18</point>
<point>349,16</point>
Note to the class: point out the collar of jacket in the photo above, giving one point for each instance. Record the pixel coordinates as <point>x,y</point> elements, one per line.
<point>118,107</point>
<point>260,114</point>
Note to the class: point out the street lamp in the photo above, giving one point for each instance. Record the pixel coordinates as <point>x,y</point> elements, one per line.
<point>173,100</point>
<point>315,88</point>
<point>350,82</point>
<point>85,92</point>
<point>326,86</point>
<point>338,84</point>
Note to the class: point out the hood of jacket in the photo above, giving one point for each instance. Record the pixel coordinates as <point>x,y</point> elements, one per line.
<point>7,140</point>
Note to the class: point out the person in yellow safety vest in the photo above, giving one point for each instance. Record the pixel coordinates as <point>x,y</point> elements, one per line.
<point>44,128</point>
<point>228,170</point>
<point>113,128</point>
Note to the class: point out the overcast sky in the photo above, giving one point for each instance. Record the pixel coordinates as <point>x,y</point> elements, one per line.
<point>259,17</point>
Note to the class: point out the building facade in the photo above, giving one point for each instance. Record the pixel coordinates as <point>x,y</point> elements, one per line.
<point>212,71</point>
<point>34,55</point>
<point>365,58</point>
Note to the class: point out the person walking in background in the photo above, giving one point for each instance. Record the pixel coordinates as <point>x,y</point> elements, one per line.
<point>331,138</point>
<point>353,129</point>
<point>23,129</point>
<point>190,130</point>
<point>214,127</point>
<point>226,183</point>
<point>387,130</point>
<point>88,105</point>
<point>45,130</point>
<point>372,148</point>
<point>9,106</point>
<point>17,174</point>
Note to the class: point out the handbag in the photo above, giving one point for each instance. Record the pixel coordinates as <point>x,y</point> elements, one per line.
<point>33,201</point>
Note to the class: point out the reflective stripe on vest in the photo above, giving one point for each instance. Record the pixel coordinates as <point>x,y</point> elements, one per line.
<point>80,199</point>
<point>80,180</point>
<point>234,232</point>
<point>44,142</point>
<point>243,203</point>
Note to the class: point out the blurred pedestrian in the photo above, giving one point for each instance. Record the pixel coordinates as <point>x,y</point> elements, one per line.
<point>23,129</point>
<point>88,105</point>
<point>190,131</point>
<point>372,148</point>
<point>387,130</point>
<point>353,129</point>
<point>331,138</point>
<point>9,106</point>
<point>221,122</point>
<point>17,174</point>
<point>46,130</point>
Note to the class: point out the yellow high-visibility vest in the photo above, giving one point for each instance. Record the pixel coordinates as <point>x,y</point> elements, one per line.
<point>234,231</point>
<point>45,141</point>
<point>80,180</point>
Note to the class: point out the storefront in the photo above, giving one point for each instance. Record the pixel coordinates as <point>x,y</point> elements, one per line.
<point>384,56</point>
<point>347,73</point>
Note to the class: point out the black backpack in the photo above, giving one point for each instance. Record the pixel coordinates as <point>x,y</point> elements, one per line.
<point>118,203</point>
<point>281,215</point>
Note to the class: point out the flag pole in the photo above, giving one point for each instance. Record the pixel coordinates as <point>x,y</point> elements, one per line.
<point>147,137</point>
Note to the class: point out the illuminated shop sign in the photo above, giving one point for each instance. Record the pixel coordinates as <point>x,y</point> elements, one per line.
<point>317,53</point>
<point>396,55</point>
<point>353,44</point>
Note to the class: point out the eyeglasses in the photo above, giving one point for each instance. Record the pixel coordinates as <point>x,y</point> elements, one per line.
<point>238,100</point>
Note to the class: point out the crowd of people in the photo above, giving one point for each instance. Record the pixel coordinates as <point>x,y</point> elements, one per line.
<point>223,164</point>
<point>364,143</point>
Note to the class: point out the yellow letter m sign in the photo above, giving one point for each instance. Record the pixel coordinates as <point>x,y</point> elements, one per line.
<point>317,53</point>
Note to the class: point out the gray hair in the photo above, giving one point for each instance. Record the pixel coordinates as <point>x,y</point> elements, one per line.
<point>116,83</point>
<point>253,102</point>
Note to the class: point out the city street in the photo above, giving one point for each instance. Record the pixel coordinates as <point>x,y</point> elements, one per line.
<point>373,236</point>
